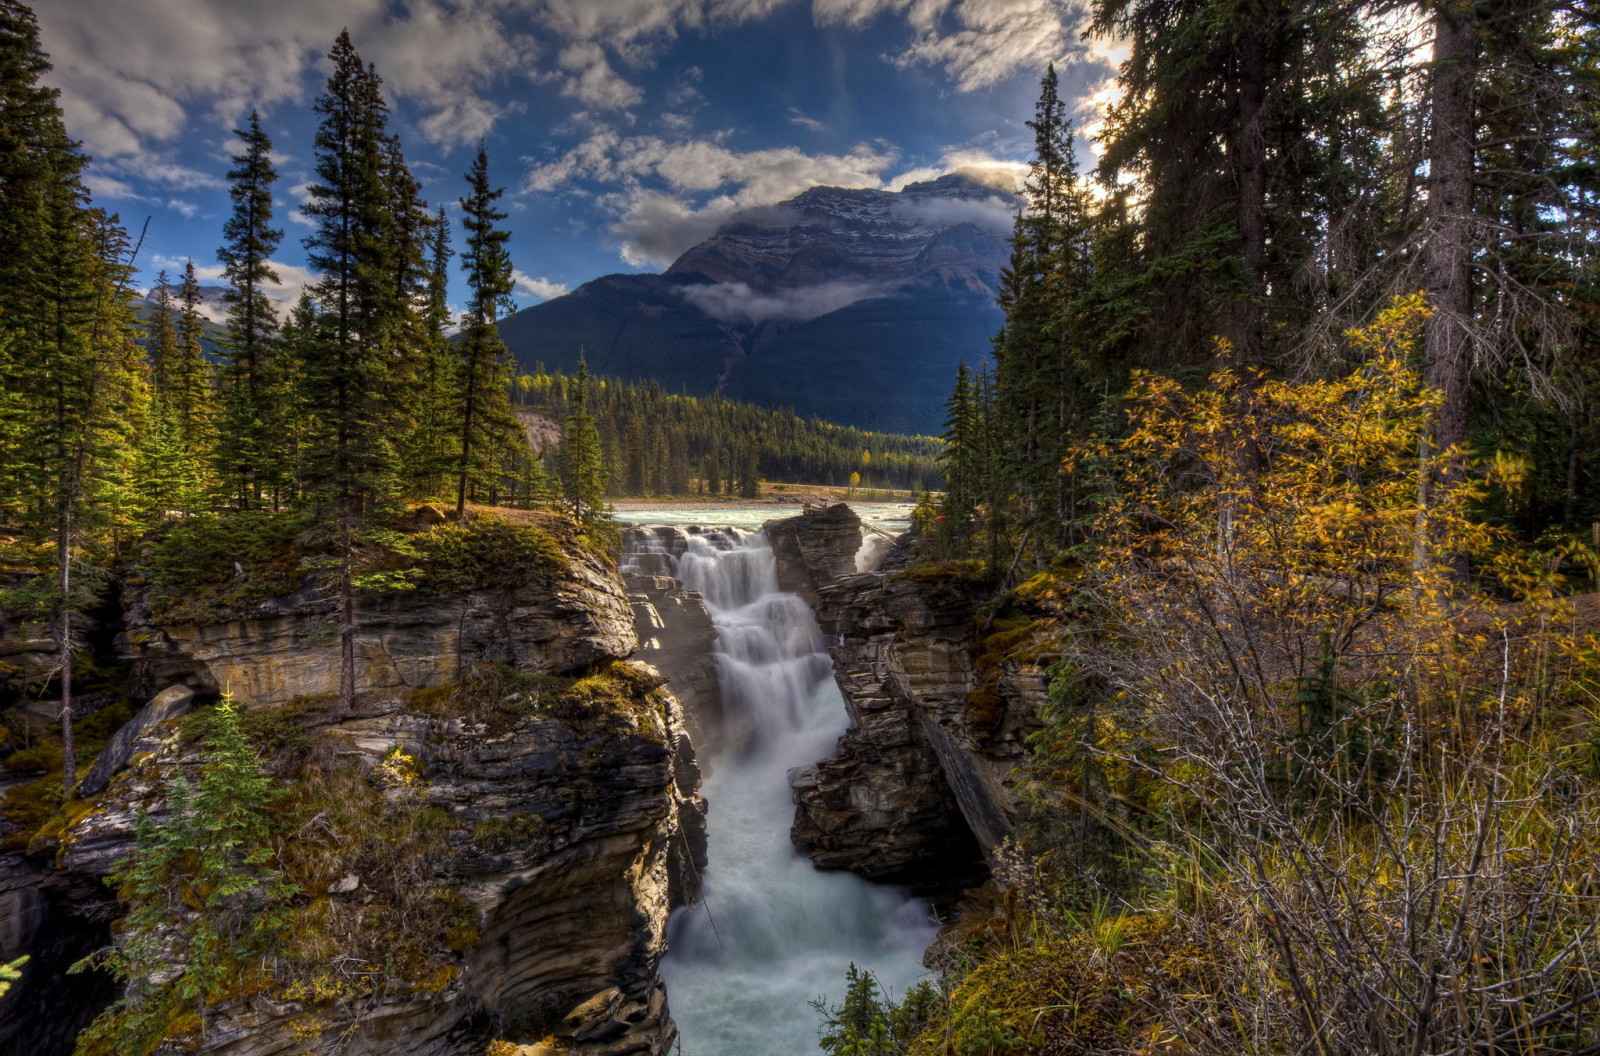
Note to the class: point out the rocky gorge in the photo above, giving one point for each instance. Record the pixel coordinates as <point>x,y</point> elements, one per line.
<point>553,812</point>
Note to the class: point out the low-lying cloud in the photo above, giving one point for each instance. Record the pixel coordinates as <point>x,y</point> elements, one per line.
<point>737,304</point>
<point>987,214</point>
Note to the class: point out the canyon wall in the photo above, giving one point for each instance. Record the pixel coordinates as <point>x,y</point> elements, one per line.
<point>558,807</point>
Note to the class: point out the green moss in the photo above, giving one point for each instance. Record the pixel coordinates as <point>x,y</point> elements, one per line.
<point>1086,994</point>
<point>205,568</point>
<point>486,553</point>
<point>40,759</point>
<point>509,832</point>
<point>26,809</point>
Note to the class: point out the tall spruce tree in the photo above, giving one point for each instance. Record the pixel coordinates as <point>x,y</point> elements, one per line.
<point>348,376</point>
<point>72,380</point>
<point>437,401</point>
<point>249,429</point>
<point>487,425</point>
<point>1039,352</point>
<point>161,333</point>
<point>189,393</point>
<point>582,462</point>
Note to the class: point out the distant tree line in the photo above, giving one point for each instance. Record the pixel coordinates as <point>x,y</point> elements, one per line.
<point>658,443</point>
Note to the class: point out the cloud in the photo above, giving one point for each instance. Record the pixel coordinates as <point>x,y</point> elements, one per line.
<point>672,194</point>
<point>810,124</point>
<point>593,82</point>
<point>988,214</point>
<point>975,42</point>
<point>135,76</point>
<point>292,279</point>
<point>737,303</point>
<point>543,289</point>
<point>187,210</point>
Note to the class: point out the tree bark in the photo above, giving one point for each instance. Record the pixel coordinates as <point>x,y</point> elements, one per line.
<point>63,636</point>
<point>1447,353</point>
<point>1250,160</point>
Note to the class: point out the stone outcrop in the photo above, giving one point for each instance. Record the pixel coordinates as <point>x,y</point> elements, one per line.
<point>575,817</point>
<point>171,703</point>
<point>27,651</point>
<point>674,629</point>
<point>923,775</point>
<point>283,648</point>
<point>815,549</point>
<point>571,900</point>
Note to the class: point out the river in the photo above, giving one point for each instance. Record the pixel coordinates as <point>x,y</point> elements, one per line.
<point>771,933</point>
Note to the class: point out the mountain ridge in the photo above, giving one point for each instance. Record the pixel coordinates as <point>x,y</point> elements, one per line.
<point>795,304</point>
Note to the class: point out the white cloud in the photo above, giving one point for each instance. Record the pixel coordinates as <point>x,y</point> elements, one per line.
<point>187,210</point>
<point>810,124</point>
<point>137,75</point>
<point>975,42</point>
<point>660,184</point>
<point>593,82</point>
<point>735,302</point>
<point>292,279</point>
<point>543,289</point>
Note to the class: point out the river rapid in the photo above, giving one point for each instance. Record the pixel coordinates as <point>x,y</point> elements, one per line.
<point>771,933</point>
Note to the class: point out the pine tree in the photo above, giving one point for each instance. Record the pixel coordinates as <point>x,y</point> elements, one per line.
<point>583,473</point>
<point>438,399</point>
<point>161,334</point>
<point>72,381</point>
<point>348,377</point>
<point>250,428</point>
<point>189,393</point>
<point>486,422</point>
<point>212,852</point>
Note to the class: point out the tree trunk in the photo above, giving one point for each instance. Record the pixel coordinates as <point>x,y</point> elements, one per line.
<point>1447,357</point>
<point>63,636</point>
<point>347,625</point>
<point>1250,151</point>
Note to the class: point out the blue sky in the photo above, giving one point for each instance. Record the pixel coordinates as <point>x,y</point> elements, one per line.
<point>624,130</point>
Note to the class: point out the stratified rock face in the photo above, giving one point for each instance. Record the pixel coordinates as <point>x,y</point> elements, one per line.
<point>815,549</point>
<point>284,648</point>
<point>923,771</point>
<point>676,637</point>
<point>27,652</point>
<point>571,902</point>
<point>575,822</point>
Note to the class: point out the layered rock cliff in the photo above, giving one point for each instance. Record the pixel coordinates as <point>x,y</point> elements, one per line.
<point>486,847</point>
<point>921,786</point>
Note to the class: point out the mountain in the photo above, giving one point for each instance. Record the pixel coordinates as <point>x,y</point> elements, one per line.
<point>851,305</point>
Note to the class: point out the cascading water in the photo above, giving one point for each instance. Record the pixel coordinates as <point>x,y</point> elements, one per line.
<point>771,933</point>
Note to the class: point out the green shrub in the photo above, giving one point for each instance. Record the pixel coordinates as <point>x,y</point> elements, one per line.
<point>485,553</point>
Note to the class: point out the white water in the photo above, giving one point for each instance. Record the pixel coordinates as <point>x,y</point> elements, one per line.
<point>771,933</point>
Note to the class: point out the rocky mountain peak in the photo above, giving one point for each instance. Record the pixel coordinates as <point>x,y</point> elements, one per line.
<point>949,230</point>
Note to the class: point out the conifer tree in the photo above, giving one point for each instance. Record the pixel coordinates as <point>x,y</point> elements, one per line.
<point>72,380</point>
<point>249,427</point>
<point>348,377</point>
<point>437,400</point>
<point>189,393</point>
<point>583,473</point>
<point>486,421</point>
<point>161,334</point>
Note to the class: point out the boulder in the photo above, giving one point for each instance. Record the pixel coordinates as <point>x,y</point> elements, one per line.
<point>816,548</point>
<point>170,703</point>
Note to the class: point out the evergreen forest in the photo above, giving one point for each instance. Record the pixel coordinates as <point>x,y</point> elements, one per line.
<point>1260,553</point>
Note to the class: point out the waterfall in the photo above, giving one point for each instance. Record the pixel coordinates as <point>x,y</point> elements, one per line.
<point>771,933</point>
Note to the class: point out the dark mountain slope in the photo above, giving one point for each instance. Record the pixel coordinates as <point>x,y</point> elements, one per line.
<point>850,305</point>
